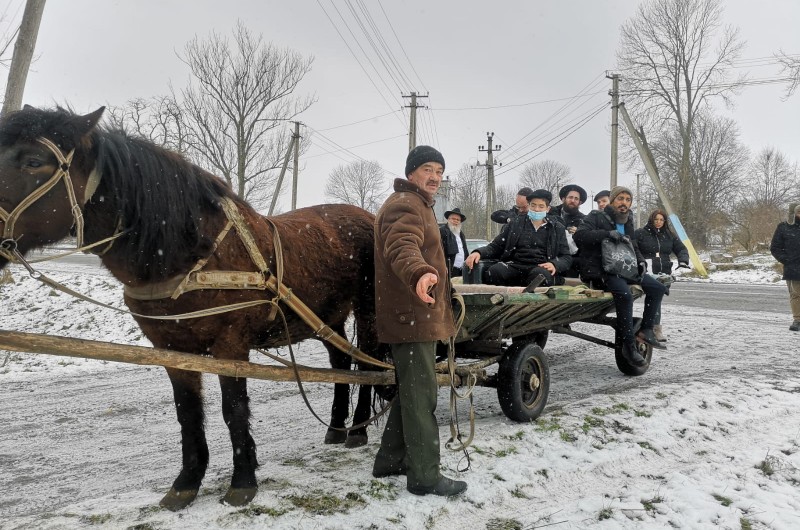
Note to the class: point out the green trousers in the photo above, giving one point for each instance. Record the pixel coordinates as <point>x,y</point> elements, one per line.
<point>411,437</point>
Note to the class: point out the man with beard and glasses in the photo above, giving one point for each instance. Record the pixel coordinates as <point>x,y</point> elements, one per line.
<point>453,241</point>
<point>568,213</point>
<point>615,222</point>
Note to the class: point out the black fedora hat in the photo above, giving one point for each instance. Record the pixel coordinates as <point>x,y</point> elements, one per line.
<point>572,187</point>
<point>448,213</point>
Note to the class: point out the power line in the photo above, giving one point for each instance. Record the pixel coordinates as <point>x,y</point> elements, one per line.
<point>360,121</point>
<point>369,77</point>
<point>514,105</point>
<point>560,138</point>
<point>570,101</point>
<point>357,146</point>
<point>401,46</point>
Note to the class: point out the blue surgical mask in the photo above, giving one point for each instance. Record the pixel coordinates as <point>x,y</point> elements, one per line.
<point>536,216</point>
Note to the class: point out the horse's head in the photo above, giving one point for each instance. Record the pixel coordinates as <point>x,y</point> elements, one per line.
<point>43,176</point>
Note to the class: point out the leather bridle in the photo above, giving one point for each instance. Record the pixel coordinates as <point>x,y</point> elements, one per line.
<point>8,242</point>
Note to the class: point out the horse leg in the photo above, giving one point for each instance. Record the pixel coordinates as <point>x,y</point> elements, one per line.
<point>368,343</point>
<point>341,392</point>
<point>236,413</point>
<point>187,387</point>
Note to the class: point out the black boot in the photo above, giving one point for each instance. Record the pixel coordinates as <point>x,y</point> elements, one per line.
<point>647,335</point>
<point>630,352</point>
<point>536,282</point>
<point>446,487</point>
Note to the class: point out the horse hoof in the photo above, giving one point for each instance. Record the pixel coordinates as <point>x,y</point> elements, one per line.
<point>177,500</point>
<point>356,440</point>
<point>239,496</point>
<point>335,437</point>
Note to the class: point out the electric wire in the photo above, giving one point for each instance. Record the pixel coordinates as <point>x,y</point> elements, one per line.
<point>350,49</point>
<point>543,148</point>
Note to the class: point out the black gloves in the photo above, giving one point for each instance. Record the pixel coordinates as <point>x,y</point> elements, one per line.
<point>642,268</point>
<point>615,236</point>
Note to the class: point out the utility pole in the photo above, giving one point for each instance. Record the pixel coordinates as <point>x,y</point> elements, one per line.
<point>638,201</point>
<point>652,171</point>
<point>296,141</point>
<point>23,54</point>
<point>490,196</point>
<point>412,126</point>
<point>280,177</point>
<point>614,124</point>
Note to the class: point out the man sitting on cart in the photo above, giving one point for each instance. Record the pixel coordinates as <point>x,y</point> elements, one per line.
<point>532,249</point>
<point>615,222</point>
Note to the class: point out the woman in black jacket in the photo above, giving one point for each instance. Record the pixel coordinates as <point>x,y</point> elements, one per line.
<point>657,242</point>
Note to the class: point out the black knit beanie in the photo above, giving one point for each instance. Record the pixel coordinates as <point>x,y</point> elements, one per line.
<point>420,155</point>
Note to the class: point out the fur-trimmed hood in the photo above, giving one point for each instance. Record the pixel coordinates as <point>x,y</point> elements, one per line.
<point>792,214</point>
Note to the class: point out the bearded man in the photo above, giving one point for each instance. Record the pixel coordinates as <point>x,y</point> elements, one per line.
<point>615,222</point>
<point>453,241</point>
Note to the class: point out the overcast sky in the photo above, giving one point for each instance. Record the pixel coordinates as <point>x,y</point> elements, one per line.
<point>516,57</point>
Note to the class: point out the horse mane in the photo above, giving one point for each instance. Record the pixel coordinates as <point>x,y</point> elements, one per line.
<point>161,198</point>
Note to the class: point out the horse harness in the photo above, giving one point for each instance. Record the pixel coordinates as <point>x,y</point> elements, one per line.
<point>195,279</point>
<point>198,279</point>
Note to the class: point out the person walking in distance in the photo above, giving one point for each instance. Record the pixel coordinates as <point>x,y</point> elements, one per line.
<point>413,312</point>
<point>657,242</point>
<point>785,248</point>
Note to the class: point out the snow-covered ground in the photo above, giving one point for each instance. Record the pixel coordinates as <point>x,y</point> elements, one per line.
<point>708,437</point>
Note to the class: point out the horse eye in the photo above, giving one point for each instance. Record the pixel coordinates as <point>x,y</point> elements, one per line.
<point>33,162</point>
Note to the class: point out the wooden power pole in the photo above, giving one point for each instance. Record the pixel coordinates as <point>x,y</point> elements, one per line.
<point>650,166</point>
<point>490,194</point>
<point>614,125</point>
<point>296,140</point>
<point>23,54</point>
<point>412,125</point>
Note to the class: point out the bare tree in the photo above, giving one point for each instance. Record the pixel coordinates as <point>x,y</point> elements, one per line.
<point>159,119</point>
<point>546,175</point>
<point>772,179</point>
<point>23,54</point>
<point>675,58</point>
<point>361,183</point>
<point>718,164</point>
<point>790,65</point>
<point>233,108</point>
<point>469,194</point>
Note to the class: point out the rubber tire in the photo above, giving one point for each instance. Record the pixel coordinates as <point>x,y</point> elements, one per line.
<point>520,363</point>
<point>624,366</point>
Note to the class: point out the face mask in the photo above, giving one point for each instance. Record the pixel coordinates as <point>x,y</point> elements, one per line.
<point>536,216</point>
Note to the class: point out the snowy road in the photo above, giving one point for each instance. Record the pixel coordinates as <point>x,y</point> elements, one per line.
<point>85,443</point>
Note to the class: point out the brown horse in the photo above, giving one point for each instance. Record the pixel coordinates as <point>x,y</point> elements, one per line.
<point>169,216</point>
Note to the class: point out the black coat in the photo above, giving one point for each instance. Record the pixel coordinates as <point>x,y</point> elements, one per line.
<point>653,241</point>
<point>505,216</point>
<point>592,231</point>
<point>503,246</point>
<point>785,248</point>
<point>450,245</point>
<point>567,219</point>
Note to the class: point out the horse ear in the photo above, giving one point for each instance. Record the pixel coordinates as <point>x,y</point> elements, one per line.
<point>89,121</point>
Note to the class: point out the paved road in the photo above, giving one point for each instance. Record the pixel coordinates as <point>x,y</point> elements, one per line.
<point>730,296</point>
